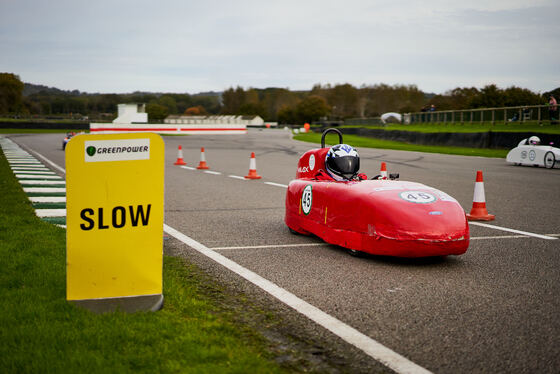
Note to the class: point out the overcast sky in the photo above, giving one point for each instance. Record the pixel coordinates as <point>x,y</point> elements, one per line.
<point>193,46</point>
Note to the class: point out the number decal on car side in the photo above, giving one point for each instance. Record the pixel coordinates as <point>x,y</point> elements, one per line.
<point>307,199</point>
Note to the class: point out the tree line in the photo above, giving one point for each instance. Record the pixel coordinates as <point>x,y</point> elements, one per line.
<point>333,102</point>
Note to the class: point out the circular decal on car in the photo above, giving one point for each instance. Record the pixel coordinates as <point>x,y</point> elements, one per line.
<point>311,162</point>
<point>307,199</point>
<point>418,197</point>
<point>532,155</point>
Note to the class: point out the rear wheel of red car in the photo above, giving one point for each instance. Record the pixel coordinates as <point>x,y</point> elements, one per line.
<point>293,231</point>
<point>354,253</point>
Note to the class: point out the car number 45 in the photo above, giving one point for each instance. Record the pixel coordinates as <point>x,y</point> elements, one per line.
<point>418,197</point>
<point>307,199</point>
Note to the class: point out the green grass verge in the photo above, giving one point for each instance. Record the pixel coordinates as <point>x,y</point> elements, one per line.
<point>545,127</point>
<point>39,131</point>
<point>363,142</point>
<point>41,332</point>
<point>40,120</point>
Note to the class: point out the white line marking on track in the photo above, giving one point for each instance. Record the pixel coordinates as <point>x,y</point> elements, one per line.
<point>32,168</point>
<point>60,182</point>
<point>44,189</point>
<point>47,199</point>
<point>35,172</point>
<point>276,184</point>
<point>50,212</point>
<point>237,177</point>
<point>512,230</point>
<point>499,237</point>
<point>188,168</point>
<point>36,176</point>
<point>271,246</point>
<point>371,347</point>
<point>212,172</point>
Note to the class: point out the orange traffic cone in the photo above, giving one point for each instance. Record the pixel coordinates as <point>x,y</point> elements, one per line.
<point>383,171</point>
<point>478,211</point>
<point>180,157</point>
<point>253,168</point>
<point>202,164</point>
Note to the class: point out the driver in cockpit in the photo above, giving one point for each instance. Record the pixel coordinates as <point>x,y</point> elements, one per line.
<point>342,163</point>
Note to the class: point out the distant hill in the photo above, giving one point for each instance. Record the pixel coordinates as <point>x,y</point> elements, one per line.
<point>30,89</point>
<point>209,93</point>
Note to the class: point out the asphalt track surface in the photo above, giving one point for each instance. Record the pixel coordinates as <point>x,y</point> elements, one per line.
<point>494,309</point>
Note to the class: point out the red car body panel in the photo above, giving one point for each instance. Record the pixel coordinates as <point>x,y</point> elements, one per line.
<point>382,217</point>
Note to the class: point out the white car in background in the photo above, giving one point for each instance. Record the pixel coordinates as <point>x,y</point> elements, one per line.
<point>530,152</point>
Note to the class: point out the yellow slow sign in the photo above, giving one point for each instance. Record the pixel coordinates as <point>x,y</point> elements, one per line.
<point>114,202</point>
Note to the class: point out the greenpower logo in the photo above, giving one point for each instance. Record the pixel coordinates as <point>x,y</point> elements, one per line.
<point>117,150</point>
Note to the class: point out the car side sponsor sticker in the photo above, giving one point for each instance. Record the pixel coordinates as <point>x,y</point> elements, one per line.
<point>311,162</point>
<point>445,197</point>
<point>307,199</point>
<point>532,155</point>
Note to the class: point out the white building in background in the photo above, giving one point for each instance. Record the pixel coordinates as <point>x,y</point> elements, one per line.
<point>132,113</point>
<point>214,120</point>
<point>133,118</point>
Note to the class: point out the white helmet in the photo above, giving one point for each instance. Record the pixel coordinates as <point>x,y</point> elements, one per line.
<point>342,162</point>
<point>534,140</point>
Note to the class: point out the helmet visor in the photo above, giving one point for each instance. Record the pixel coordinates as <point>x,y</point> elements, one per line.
<point>346,166</point>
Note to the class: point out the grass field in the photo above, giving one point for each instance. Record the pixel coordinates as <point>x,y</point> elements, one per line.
<point>40,120</point>
<point>364,142</point>
<point>41,332</point>
<point>38,131</point>
<point>545,127</point>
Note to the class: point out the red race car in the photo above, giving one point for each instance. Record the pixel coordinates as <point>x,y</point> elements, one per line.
<point>382,216</point>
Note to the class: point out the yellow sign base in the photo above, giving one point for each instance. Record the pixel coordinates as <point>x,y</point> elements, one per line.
<point>131,304</point>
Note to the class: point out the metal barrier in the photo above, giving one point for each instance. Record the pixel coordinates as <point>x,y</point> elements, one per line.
<point>527,113</point>
<point>373,121</point>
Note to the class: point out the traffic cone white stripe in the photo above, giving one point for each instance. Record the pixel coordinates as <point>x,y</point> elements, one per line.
<point>253,164</point>
<point>479,193</point>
